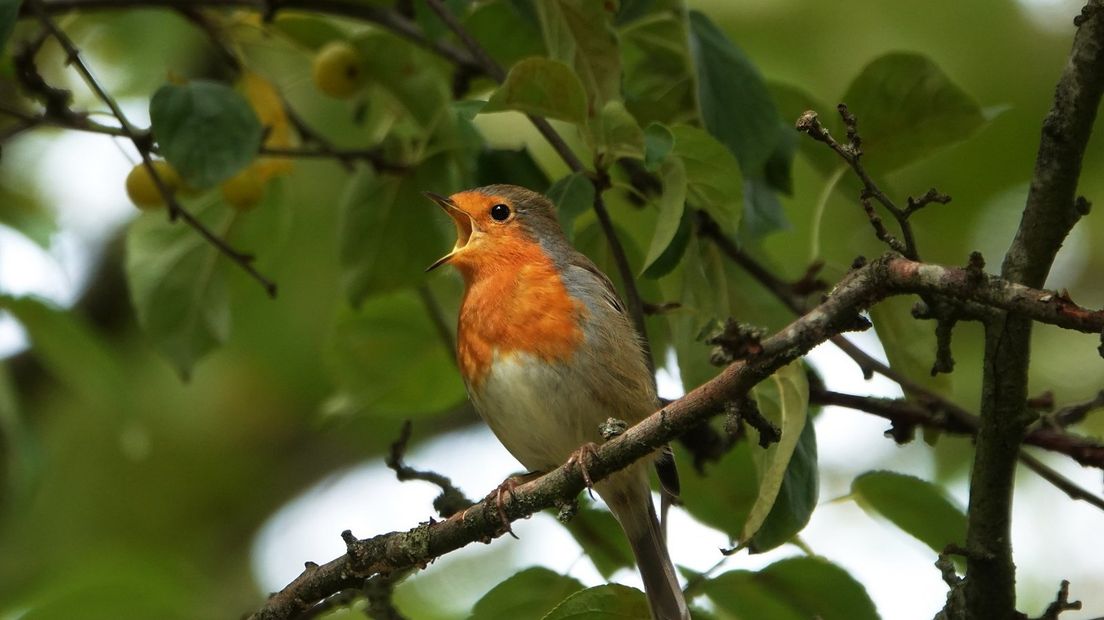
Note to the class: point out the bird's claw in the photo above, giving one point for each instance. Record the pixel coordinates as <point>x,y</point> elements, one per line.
<point>580,458</point>
<point>507,488</point>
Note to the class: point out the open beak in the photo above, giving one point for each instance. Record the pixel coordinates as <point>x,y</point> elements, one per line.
<point>463,222</point>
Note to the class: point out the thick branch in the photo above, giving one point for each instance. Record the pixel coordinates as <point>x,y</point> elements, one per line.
<point>1050,213</point>
<point>964,285</point>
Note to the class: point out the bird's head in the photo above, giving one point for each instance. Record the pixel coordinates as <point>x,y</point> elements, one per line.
<point>498,226</point>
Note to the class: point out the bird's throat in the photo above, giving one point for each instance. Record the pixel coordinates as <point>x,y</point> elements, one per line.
<point>518,310</point>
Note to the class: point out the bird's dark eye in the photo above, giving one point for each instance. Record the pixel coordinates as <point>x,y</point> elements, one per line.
<point>500,212</point>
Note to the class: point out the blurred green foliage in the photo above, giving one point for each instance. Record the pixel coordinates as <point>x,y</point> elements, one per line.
<point>128,492</point>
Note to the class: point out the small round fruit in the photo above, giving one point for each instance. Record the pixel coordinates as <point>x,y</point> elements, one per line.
<point>244,190</point>
<point>141,189</point>
<point>338,70</point>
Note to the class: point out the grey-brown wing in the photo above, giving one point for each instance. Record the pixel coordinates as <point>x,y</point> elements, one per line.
<point>609,293</point>
<point>665,463</point>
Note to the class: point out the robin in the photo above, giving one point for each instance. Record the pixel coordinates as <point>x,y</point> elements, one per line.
<point>548,354</point>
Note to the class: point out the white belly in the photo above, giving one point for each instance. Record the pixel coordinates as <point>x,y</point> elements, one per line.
<point>541,412</point>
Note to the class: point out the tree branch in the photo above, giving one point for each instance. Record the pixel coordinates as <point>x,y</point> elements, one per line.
<point>1050,213</point>
<point>851,153</point>
<point>245,261</point>
<point>387,18</point>
<point>397,550</point>
<point>79,122</point>
<point>906,414</point>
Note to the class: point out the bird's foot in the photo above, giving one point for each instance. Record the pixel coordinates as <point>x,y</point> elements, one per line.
<point>582,458</point>
<point>507,488</point>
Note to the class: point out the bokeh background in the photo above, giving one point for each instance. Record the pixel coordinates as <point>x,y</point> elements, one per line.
<point>131,493</point>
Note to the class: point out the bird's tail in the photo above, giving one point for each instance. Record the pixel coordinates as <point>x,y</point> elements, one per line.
<point>629,497</point>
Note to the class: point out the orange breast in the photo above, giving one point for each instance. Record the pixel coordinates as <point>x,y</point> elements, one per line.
<point>515,302</point>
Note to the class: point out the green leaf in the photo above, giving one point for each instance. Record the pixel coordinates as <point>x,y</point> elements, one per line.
<point>672,208</point>
<point>599,534</point>
<point>468,109</point>
<point>177,284</point>
<point>658,142</point>
<point>9,13</point>
<point>516,167</point>
<point>722,497</point>
<point>792,101</point>
<point>907,109</point>
<point>792,589</point>
<point>506,34</point>
<point>22,463</point>
<point>778,169</point>
<point>909,343</point>
<point>389,232</point>
<point>206,130</point>
<point>920,508</point>
<point>669,260</point>
<point>632,10</point>
<point>69,349</point>
<point>609,602</point>
<point>763,213</point>
<point>530,593</point>
<point>616,134</point>
<point>308,31</point>
<point>541,87</point>
<point>573,195</point>
<point>578,33</point>
<point>736,106</point>
<point>386,352</point>
<point>414,78</point>
<point>796,499</point>
<point>657,82</point>
<point>712,173</point>
<point>26,215</point>
<point>117,582</point>
<point>700,285</point>
<point>784,400</point>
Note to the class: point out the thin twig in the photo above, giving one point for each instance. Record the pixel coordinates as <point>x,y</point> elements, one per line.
<point>907,413</point>
<point>245,261</point>
<point>1053,476</point>
<point>451,500</point>
<point>851,153</point>
<point>373,156</point>
<point>77,122</point>
<point>1061,603</point>
<point>1075,413</point>
<point>796,303</point>
<point>437,317</point>
<point>389,19</point>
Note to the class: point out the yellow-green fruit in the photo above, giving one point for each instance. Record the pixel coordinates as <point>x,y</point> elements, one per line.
<point>338,70</point>
<point>141,189</point>
<point>244,190</point>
